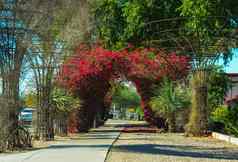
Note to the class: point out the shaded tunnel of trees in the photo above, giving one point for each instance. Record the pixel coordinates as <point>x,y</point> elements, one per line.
<point>140,41</point>
<point>90,71</point>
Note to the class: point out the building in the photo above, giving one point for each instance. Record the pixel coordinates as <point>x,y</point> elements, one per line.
<point>232,94</point>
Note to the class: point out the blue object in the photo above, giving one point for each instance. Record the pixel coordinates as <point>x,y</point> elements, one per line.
<point>26,115</point>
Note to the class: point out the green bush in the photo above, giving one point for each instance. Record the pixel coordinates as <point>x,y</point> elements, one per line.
<point>140,112</point>
<point>227,116</point>
<point>168,99</point>
<point>125,97</point>
<point>218,85</point>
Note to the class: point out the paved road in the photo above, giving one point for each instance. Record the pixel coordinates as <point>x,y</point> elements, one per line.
<point>90,147</point>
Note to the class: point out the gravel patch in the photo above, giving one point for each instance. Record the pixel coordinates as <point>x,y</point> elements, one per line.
<point>155,147</point>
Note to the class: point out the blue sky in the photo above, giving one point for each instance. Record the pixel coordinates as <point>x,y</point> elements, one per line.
<point>233,66</point>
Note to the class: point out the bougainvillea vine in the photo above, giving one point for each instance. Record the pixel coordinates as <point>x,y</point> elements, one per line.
<point>91,69</point>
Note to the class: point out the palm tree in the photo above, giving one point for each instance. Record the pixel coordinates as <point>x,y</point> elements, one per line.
<point>168,99</point>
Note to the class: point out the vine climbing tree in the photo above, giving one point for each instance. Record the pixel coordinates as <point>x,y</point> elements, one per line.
<point>91,70</point>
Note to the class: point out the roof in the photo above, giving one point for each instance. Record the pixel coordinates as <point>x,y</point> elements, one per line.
<point>233,99</point>
<point>232,74</point>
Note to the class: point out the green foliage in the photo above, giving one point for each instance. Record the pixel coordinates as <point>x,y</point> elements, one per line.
<point>125,97</point>
<point>170,97</point>
<point>140,112</point>
<point>228,117</point>
<point>64,101</point>
<point>230,8</point>
<point>218,85</point>
<point>199,11</point>
<point>124,21</point>
<point>210,32</point>
<point>110,21</point>
<point>221,114</point>
<point>208,23</point>
<point>132,12</point>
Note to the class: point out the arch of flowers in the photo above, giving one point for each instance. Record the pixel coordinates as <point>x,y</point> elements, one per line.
<point>90,71</point>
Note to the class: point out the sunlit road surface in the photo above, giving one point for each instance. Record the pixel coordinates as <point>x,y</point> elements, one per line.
<point>90,147</point>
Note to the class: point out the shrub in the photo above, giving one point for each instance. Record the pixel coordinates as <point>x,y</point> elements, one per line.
<point>227,116</point>
<point>169,99</point>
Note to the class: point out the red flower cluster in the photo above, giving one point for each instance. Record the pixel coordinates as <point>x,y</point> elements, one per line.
<point>105,64</point>
<point>90,63</point>
<point>91,66</point>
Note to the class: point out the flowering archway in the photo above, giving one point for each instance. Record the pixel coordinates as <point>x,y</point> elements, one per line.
<point>91,70</point>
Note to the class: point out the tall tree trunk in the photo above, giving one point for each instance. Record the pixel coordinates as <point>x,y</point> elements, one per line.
<point>11,95</point>
<point>3,125</point>
<point>13,107</point>
<point>89,115</point>
<point>171,122</point>
<point>11,79</point>
<point>45,127</point>
<point>197,125</point>
<point>145,89</point>
<point>83,118</point>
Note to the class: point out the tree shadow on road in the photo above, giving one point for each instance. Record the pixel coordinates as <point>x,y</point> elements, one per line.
<point>180,150</point>
<point>64,146</point>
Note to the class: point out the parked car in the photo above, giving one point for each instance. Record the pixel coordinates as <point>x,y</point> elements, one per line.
<point>25,116</point>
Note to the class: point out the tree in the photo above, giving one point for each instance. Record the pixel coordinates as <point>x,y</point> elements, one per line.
<point>218,86</point>
<point>204,30</point>
<point>91,70</point>
<point>228,117</point>
<point>51,44</point>
<point>23,21</point>
<point>14,39</point>
<point>125,97</point>
<point>16,36</point>
<point>122,22</point>
<point>169,99</point>
<point>211,36</point>
<point>44,59</point>
<point>64,104</point>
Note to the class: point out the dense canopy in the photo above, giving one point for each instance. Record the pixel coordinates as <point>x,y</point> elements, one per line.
<point>90,71</point>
